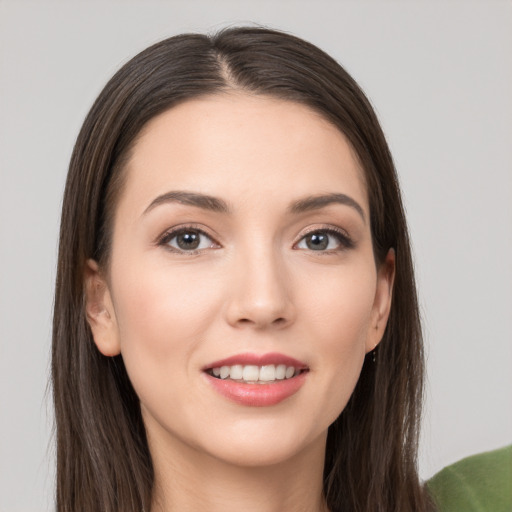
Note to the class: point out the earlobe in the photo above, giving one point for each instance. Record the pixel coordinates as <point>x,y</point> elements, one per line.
<point>382,301</point>
<point>99,310</point>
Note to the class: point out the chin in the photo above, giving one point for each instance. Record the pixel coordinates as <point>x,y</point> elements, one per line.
<point>256,456</point>
<point>262,449</point>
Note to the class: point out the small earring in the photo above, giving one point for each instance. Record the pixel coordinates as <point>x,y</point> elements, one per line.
<point>374,355</point>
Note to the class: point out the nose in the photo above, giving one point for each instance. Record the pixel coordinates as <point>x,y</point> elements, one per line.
<point>260,294</point>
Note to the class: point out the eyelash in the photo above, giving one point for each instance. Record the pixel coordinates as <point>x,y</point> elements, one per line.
<point>344,241</point>
<point>165,239</point>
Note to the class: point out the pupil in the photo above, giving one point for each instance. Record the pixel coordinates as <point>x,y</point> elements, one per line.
<point>317,242</point>
<point>188,240</point>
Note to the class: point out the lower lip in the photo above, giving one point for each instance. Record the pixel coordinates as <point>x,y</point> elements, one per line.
<point>257,395</point>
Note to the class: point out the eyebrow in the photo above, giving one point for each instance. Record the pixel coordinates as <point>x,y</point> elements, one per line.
<point>320,201</point>
<point>217,205</point>
<point>206,202</point>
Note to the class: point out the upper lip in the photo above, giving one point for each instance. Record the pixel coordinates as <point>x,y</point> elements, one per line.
<point>258,360</point>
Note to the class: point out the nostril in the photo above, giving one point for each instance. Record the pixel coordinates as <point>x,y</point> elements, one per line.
<point>278,322</point>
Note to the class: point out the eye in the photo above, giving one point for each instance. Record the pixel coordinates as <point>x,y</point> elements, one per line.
<point>324,240</point>
<point>187,240</point>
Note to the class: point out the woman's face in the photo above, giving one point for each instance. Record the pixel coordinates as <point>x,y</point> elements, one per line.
<point>242,291</point>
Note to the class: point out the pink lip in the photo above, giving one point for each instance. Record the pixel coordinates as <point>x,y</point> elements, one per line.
<point>257,395</point>
<point>258,360</point>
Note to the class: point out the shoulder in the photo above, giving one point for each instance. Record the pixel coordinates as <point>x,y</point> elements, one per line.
<point>480,483</point>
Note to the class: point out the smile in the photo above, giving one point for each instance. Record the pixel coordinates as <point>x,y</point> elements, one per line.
<point>252,374</point>
<point>256,380</point>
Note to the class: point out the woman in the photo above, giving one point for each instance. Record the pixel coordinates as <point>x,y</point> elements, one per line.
<point>236,323</point>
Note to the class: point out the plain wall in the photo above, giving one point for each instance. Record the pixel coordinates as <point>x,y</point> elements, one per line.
<point>440,77</point>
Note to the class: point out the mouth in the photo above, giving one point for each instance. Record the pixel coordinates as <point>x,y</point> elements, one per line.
<point>257,380</point>
<point>253,374</point>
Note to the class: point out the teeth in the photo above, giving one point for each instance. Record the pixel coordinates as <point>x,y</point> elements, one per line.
<point>289,372</point>
<point>252,373</point>
<point>236,371</point>
<point>224,372</point>
<point>280,371</point>
<point>268,373</point>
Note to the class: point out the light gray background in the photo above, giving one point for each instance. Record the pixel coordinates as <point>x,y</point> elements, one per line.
<point>440,76</point>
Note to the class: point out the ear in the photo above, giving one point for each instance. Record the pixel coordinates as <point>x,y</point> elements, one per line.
<point>382,301</point>
<point>99,310</point>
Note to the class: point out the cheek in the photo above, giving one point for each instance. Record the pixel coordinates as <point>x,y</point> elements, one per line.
<point>340,315</point>
<point>340,304</point>
<point>154,304</point>
<point>162,315</point>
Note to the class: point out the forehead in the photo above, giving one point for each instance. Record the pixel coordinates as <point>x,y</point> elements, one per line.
<point>238,145</point>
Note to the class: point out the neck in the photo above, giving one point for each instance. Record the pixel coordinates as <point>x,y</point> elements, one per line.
<point>190,481</point>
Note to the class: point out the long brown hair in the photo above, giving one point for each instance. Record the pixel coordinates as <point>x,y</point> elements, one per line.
<point>103,461</point>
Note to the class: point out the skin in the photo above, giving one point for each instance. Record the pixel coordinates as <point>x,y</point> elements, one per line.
<point>253,286</point>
